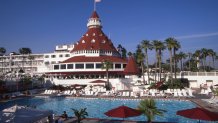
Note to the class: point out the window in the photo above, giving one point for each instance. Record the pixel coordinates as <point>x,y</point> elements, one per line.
<point>67,55</point>
<point>83,41</point>
<point>70,66</point>
<point>53,62</point>
<point>103,41</point>
<point>46,56</point>
<point>47,63</point>
<point>60,55</point>
<point>117,66</point>
<point>63,66</point>
<point>124,65</point>
<point>53,56</point>
<point>79,66</point>
<point>98,65</point>
<point>93,41</point>
<point>60,46</point>
<point>89,66</point>
<point>93,34</point>
<point>56,67</point>
<point>87,34</point>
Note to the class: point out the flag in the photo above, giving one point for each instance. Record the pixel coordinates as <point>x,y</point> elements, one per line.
<point>97,1</point>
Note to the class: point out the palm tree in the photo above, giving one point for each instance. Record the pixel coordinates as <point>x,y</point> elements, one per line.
<point>140,60</point>
<point>145,44</point>
<point>212,54</point>
<point>170,45</point>
<point>197,56</point>
<point>176,47</point>
<point>24,51</point>
<point>129,54</point>
<point>2,52</point>
<point>149,109</point>
<point>181,56</point>
<point>106,64</point>
<point>158,46</point>
<point>80,114</point>
<point>189,61</point>
<point>204,54</point>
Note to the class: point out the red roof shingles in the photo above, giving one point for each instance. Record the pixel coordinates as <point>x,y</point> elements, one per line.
<point>94,39</point>
<point>94,15</point>
<point>131,67</point>
<point>94,59</point>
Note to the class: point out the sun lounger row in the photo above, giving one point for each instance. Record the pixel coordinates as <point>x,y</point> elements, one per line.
<point>50,92</point>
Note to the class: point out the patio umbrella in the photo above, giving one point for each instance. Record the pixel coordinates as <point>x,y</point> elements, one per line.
<point>199,114</point>
<point>123,112</point>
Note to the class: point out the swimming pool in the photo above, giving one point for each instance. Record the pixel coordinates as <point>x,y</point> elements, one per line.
<point>96,107</point>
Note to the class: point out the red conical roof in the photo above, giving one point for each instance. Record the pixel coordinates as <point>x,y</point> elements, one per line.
<point>94,15</point>
<point>131,67</point>
<point>94,39</point>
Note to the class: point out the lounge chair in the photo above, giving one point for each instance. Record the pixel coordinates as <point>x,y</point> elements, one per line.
<point>190,93</point>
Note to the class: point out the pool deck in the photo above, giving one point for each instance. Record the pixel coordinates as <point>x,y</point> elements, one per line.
<point>96,120</point>
<point>197,100</point>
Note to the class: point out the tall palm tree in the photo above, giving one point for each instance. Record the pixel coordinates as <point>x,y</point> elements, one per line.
<point>2,52</point>
<point>24,51</point>
<point>197,56</point>
<point>189,60</point>
<point>171,44</point>
<point>212,54</point>
<point>145,44</point>
<point>80,114</point>
<point>149,109</point>
<point>158,46</point>
<point>129,54</point>
<point>181,56</point>
<point>176,47</point>
<point>204,54</point>
<point>140,60</point>
<point>106,64</point>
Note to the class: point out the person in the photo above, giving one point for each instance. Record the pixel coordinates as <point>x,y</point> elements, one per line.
<point>64,115</point>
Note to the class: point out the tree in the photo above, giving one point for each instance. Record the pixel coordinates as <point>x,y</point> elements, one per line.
<point>158,46</point>
<point>129,54</point>
<point>170,42</point>
<point>145,44</point>
<point>204,54</point>
<point>212,54</point>
<point>122,51</point>
<point>80,114</point>
<point>189,61</point>
<point>176,47</point>
<point>24,51</point>
<point>149,109</point>
<point>197,56</point>
<point>106,64</point>
<point>2,52</point>
<point>140,60</point>
<point>181,56</point>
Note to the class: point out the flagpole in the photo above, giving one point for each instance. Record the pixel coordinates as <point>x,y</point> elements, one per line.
<point>94,5</point>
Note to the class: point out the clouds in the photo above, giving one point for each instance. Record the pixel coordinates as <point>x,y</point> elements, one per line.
<point>197,35</point>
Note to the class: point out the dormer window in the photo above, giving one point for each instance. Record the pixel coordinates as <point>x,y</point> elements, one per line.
<point>93,41</point>
<point>93,34</point>
<point>103,41</point>
<point>83,41</point>
<point>87,34</point>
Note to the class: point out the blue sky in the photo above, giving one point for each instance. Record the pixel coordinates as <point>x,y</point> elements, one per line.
<point>42,24</point>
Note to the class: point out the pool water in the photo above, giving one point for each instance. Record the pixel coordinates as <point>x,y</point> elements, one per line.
<point>96,107</point>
